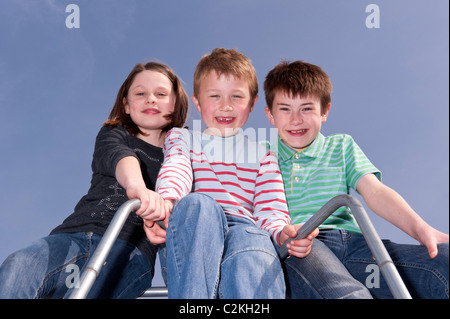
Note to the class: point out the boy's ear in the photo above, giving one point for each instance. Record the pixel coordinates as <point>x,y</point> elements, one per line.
<point>125,105</point>
<point>253,103</point>
<point>269,115</point>
<point>325,114</point>
<point>196,103</point>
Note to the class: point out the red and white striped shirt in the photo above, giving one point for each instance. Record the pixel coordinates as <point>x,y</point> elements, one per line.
<point>241,175</point>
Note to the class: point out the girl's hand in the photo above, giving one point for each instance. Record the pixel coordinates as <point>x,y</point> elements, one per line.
<point>129,176</point>
<point>152,206</point>
<point>299,248</point>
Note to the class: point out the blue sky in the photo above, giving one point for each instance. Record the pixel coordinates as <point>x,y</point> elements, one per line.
<point>58,84</point>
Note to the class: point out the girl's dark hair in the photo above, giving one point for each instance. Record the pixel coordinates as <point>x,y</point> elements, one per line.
<point>177,118</point>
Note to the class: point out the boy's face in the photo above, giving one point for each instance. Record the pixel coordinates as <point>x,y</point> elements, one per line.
<point>224,103</point>
<point>298,119</point>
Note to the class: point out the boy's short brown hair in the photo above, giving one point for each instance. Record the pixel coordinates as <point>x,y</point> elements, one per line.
<point>228,62</point>
<point>298,78</point>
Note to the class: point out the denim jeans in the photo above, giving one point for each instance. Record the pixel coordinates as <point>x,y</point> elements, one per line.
<point>321,275</point>
<point>424,277</point>
<point>338,253</point>
<point>49,268</point>
<point>213,255</point>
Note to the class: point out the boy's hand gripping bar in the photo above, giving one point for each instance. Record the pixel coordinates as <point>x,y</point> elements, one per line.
<point>374,242</point>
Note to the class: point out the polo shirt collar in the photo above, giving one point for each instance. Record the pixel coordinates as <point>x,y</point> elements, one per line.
<point>287,153</point>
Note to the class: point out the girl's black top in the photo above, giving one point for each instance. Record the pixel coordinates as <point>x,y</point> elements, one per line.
<point>94,211</point>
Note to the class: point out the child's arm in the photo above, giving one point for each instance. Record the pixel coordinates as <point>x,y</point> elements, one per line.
<point>129,176</point>
<point>174,179</point>
<point>388,204</point>
<point>270,207</point>
<point>176,175</point>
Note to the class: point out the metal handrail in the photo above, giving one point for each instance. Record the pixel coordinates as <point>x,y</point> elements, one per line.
<point>97,260</point>
<point>390,273</point>
<point>382,258</point>
<point>155,292</point>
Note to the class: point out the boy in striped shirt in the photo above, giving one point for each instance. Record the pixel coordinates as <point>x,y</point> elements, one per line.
<point>317,168</point>
<point>230,192</point>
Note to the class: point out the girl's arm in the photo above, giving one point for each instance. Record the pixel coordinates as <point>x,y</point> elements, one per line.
<point>129,176</point>
<point>389,205</point>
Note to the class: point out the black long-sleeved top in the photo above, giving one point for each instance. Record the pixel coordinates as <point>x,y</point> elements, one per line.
<point>94,211</point>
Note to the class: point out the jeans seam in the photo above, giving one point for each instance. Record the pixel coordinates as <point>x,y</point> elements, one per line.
<point>134,281</point>
<point>64,265</point>
<point>55,271</point>
<point>248,249</point>
<point>172,230</point>
<point>299,273</point>
<point>433,271</point>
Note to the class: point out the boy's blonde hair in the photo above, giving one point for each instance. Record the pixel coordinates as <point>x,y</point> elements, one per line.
<point>227,62</point>
<point>298,79</point>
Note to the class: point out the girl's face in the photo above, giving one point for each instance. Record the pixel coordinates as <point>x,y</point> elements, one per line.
<point>150,98</point>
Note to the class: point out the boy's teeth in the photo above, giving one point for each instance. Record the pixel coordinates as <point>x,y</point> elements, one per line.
<point>224,119</point>
<point>299,131</point>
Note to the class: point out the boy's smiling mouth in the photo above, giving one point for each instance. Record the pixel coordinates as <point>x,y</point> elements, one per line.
<point>297,132</point>
<point>225,120</point>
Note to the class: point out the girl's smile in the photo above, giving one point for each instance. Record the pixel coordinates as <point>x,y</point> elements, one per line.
<point>150,100</point>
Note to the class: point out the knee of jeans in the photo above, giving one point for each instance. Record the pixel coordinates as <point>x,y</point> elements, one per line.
<point>443,249</point>
<point>196,199</point>
<point>22,260</point>
<point>442,256</point>
<point>197,206</point>
<point>259,260</point>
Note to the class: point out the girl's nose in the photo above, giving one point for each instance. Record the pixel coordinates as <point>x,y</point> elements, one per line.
<point>151,99</point>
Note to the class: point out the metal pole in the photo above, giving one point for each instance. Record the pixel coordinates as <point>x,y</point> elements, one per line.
<point>155,292</point>
<point>97,260</point>
<point>384,261</point>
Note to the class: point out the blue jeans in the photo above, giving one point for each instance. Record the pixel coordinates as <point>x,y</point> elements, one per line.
<point>212,255</point>
<point>49,268</point>
<point>321,275</point>
<point>424,277</point>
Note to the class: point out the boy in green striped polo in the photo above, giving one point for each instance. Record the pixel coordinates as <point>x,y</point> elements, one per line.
<point>316,168</point>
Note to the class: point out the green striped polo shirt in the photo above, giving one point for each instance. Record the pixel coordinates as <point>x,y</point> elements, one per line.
<point>330,166</point>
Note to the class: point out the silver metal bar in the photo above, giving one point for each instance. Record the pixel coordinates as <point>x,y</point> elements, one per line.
<point>154,292</point>
<point>97,260</point>
<point>382,258</point>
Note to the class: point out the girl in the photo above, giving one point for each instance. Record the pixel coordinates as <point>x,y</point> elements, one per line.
<point>126,162</point>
